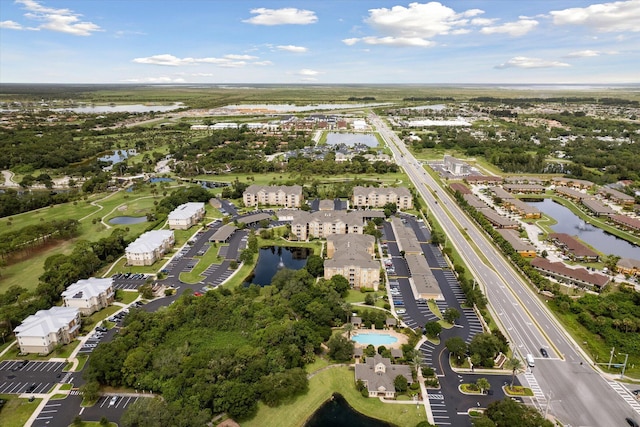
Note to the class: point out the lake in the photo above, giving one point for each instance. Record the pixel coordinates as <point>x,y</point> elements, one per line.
<point>127,220</point>
<point>124,108</point>
<point>283,108</point>
<point>351,139</point>
<point>274,258</point>
<point>571,224</point>
<point>336,412</point>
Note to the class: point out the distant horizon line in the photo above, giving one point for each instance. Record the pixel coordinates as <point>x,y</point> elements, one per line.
<point>318,84</point>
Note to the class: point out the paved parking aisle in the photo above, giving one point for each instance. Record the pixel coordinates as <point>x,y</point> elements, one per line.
<point>17,376</point>
<point>48,413</point>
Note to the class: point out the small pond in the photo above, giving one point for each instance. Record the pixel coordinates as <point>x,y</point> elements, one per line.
<point>117,156</point>
<point>336,412</point>
<point>351,139</point>
<point>599,239</point>
<point>274,258</point>
<point>152,180</point>
<point>127,220</point>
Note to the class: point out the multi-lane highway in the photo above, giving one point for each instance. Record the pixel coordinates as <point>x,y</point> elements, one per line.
<point>576,393</point>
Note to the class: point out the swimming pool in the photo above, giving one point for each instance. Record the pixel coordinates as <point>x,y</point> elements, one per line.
<point>376,339</point>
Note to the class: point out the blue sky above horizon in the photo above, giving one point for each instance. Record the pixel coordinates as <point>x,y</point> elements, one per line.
<point>329,41</point>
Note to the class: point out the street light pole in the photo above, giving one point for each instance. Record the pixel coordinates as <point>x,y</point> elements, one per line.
<point>626,357</point>
<point>611,357</point>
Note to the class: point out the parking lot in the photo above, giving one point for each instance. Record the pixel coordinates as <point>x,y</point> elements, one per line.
<point>18,377</point>
<point>129,280</point>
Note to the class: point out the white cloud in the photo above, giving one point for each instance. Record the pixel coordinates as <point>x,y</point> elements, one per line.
<point>390,41</point>
<point>60,20</point>
<point>288,15</point>
<point>202,74</point>
<point>589,53</point>
<point>308,72</point>
<point>262,63</point>
<point>483,22</point>
<point>515,29</point>
<point>583,54</point>
<point>617,16</point>
<point>526,62</point>
<point>11,25</point>
<point>227,61</point>
<point>292,48</point>
<point>162,79</point>
<point>415,25</point>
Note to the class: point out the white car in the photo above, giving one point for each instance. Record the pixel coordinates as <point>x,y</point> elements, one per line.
<point>113,400</point>
<point>401,310</point>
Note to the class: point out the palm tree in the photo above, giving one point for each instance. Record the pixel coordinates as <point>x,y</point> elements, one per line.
<point>348,327</point>
<point>515,365</point>
<point>483,384</point>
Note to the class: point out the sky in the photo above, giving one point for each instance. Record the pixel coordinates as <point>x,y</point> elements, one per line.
<point>320,42</point>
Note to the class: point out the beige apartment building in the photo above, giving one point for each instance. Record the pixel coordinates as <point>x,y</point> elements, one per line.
<point>352,256</point>
<point>149,247</point>
<point>321,224</point>
<point>89,295</point>
<point>281,195</point>
<point>41,332</point>
<point>378,197</point>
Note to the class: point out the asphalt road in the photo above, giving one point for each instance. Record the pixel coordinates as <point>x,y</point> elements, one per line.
<point>578,395</point>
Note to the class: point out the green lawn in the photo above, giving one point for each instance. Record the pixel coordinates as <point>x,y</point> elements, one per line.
<point>16,411</point>
<point>88,323</point>
<point>321,387</point>
<point>63,352</point>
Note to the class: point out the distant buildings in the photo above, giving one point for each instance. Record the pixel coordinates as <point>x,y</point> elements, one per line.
<point>89,295</point>
<point>456,167</point>
<point>186,215</point>
<point>352,257</point>
<point>579,276</point>
<point>149,247</point>
<point>282,195</point>
<point>42,332</point>
<point>375,197</point>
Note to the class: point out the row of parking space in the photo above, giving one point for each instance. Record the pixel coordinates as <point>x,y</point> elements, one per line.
<point>46,416</point>
<point>473,323</point>
<point>116,402</point>
<point>33,366</point>
<point>441,262</point>
<point>20,387</point>
<point>128,285</point>
<point>454,285</point>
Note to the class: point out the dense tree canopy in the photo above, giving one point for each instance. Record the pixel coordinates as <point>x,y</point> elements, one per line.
<point>226,350</point>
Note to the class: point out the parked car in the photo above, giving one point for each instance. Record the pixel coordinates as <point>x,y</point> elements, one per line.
<point>113,400</point>
<point>31,388</point>
<point>401,310</point>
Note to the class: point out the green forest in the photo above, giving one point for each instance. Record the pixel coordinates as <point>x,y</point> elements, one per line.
<point>224,351</point>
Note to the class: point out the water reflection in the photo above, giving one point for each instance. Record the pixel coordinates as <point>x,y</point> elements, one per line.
<point>336,412</point>
<point>571,224</point>
<point>273,258</point>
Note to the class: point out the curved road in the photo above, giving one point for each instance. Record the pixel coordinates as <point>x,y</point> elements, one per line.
<point>577,394</point>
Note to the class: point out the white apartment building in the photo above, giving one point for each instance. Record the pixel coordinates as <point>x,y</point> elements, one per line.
<point>89,295</point>
<point>149,247</point>
<point>42,332</point>
<point>186,215</point>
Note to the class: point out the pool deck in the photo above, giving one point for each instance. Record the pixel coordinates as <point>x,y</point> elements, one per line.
<point>401,338</point>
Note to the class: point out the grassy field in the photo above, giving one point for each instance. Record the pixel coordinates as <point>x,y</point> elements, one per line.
<point>25,269</point>
<point>16,411</point>
<point>321,387</point>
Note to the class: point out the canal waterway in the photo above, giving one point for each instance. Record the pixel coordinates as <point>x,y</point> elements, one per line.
<point>571,224</point>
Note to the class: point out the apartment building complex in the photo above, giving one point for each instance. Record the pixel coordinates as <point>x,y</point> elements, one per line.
<point>375,197</point>
<point>282,195</point>
<point>149,247</point>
